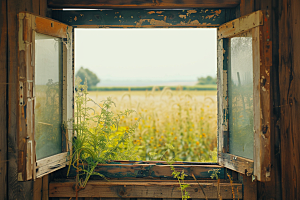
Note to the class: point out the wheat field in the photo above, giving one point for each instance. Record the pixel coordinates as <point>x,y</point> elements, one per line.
<point>171,125</point>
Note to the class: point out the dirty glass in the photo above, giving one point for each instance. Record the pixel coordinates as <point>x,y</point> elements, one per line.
<point>240,94</point>
<point>48,91</point>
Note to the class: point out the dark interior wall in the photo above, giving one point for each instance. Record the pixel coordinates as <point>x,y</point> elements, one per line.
<point>10,187</point>
<point>285,96</point>
<point>289,89</point>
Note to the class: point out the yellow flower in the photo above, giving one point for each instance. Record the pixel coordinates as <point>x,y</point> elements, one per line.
<point>175,138</point>
<point>154,147</point>
<point>159,145</point>
<point>190,108</point>
<point>197,143</point>
<point>191,129</point>
<point>201,152</point>
<point>140,138</point>
<point>172,133</point>
<point>138,141</point>
<point>200,136</point>
<point>152,138</point>
<point>153,127</point>
<point>136,118</point>
<point>150,141</point>
<point>204,135</point>
<point>173,128</point>
<point>160,139</point>
<point>201,118</point>
<point>162,136</point>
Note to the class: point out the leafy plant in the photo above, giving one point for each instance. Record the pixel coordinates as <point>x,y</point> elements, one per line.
<point>180,177</point>
<point>99,138</point>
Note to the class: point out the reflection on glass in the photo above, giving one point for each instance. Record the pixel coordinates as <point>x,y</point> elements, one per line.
<point>48,65</point>
<point>240,93</point>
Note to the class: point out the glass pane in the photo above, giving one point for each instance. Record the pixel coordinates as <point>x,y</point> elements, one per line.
<point>240,94</point>
<point>48,65</point>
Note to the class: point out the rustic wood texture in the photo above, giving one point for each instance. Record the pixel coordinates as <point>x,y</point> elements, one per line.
<point>261,98</point>
<point>26,100</point>
<point>250,188</point>
<point>145,189</point>
<point>289,79</point>
<point>143,4</point>
<point>240,25</point>
<point>139,18</point>
<point>153,171</point>
<point>236,163</point>
<point>3,100</point>
<point>16,190</point>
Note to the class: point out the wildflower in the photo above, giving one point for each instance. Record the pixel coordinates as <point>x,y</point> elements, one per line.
<point>200,136</point>
<point>140,138</point>
<point>175,138</point>
<point>201,118</point>
<point>154,147</point>
<point>136,118</point>
<point>204,135</point>
<point>152,138</point>
<point>173,128</point>
<point>190,108</point>
<point>160,139</point>
<point>191,129</point>
<point>172,133</point>
<point>159,145</point>
<point>138,141</point>
<point>197,143</point>
<point>201,152</point>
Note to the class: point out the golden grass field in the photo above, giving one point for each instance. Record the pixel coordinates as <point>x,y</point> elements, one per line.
<point>182,122</point>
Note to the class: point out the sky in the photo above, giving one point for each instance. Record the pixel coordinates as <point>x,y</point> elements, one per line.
<point>147,54</point>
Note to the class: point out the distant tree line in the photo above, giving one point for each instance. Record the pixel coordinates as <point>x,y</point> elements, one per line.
<point>89,76</point>
<point>207,81</point>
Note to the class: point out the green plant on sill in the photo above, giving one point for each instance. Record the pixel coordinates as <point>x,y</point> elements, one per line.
<point>180,176</point>
<point>98,137</point>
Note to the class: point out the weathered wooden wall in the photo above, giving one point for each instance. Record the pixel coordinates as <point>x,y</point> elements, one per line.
<point>3,96</point>
<point>285,82</point>
<point>10,187</point>
<point>289,89</point>
<point>285,96</point>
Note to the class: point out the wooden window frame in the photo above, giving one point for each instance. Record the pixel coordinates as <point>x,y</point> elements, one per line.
<point>260,166</point>
<point>29,24</point>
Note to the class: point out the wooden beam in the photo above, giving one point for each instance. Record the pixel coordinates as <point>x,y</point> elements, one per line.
<point>154,171</point>
<point>236,163</point>
<point>142,18</point>
<point>142,4</point>
<point>146,189</point>
<point>3,100</point>
<point>240,25</point>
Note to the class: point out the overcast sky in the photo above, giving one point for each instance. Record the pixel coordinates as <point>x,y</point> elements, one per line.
<point>147,54</point>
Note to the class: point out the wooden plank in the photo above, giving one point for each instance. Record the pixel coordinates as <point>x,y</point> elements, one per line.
<point>16,190</point>
<point>223,137</point>
<point>51,164</point>
<point>261,100</point>
<point>45,188</point>
<point>142,18</point>
<point>250,188</point>
<point>26,115</point>
<point>236,163</point>
<point>143,189</point>
<point>246,7</point>
<point>240,25</point>
<point>289,82</point>
<point>154,171</point>
<point>37,189</point>
<point>50,27</point>
<point>3,100</point>
<point>142,4</point>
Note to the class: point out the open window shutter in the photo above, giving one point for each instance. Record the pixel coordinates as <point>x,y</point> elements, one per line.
<point>28,25</point>
<point>256,24</point>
